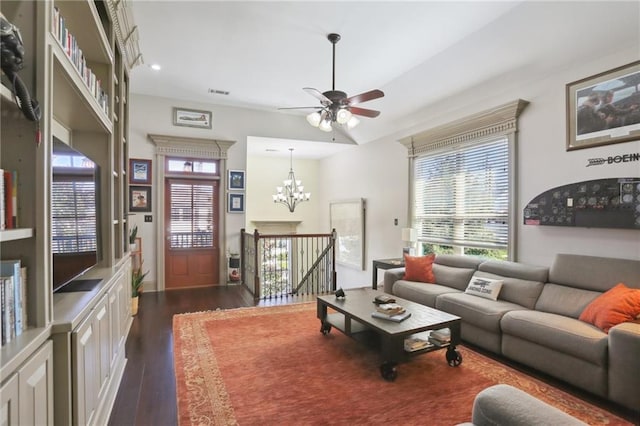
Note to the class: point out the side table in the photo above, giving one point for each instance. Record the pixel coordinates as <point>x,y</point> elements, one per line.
<point>384,264</point>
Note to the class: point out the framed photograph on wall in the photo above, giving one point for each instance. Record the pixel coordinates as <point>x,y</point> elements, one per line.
<point>235,203</point>
<point>192,118</point>
<point>604,109</point>
<point>139,171</point>
<point>139,198</point>
<point>347,218</point>
<point>236,180</point>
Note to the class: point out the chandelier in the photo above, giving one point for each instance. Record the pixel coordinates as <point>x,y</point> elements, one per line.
<point>291,194</point>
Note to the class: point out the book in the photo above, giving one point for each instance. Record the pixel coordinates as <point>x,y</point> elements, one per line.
<point>383,298</point>
<point>390,309</point>
<point>395,318</point>
<point>12,268</point>
<point>8,199</point>
<point>443,335</point>
<point>3,200</point>
<point>412,344</point>
<point>23,286</point>
<point>8,316</point>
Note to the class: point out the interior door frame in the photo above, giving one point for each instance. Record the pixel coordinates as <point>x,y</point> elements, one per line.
<point>176,146</point>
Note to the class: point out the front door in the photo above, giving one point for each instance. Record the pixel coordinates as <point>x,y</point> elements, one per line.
<point>191,244</point>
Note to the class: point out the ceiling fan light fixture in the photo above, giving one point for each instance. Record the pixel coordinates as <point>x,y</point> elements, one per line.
<point>314,118</point>
<point>325,125</point>
<point>352,122</point>
<point>343,115</point>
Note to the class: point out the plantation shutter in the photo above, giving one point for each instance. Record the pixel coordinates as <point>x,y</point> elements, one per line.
<point>73,216</point>
<point>462,196</point>
<point>192,214</point>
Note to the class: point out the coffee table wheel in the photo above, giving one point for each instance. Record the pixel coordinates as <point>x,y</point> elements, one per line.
<point>454,358</point>
<point>388,371</point>
<point>325,328</point>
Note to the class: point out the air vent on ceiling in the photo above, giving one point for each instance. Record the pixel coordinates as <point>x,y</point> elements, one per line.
<point>218,92</point>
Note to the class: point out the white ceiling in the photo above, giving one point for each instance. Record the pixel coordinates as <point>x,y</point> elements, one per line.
<point>417,52</point>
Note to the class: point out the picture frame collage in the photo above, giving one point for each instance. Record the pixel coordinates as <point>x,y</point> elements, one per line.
<point>235,191</point>
<point>140,179</point>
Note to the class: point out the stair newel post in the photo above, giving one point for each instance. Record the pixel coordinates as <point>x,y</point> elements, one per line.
<point>334,276</point>
<point>256,269</point>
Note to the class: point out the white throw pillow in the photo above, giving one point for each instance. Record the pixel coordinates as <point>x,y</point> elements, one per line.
<point>484,287</point>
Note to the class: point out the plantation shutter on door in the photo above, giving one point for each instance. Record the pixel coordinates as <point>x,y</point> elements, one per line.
<point>192,215</point>
<point>462,196</point>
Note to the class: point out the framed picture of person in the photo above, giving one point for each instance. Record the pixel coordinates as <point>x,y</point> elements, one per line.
<point>604,108</point>
<point>139,198</point>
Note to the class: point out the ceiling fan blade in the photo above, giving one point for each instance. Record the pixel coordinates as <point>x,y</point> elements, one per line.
<point>364,97</point>
<point>364,112</point>
<point>318,95</point>
<point>307,107</point>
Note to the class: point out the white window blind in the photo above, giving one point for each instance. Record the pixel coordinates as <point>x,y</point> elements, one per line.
<point>73,216</point>
<point>192,215</point>
<point>462,196</point>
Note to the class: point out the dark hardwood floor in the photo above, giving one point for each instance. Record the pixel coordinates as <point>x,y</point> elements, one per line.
<point>147,392</point>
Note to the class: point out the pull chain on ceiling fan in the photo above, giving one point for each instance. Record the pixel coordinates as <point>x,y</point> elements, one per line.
<point>336,106</point>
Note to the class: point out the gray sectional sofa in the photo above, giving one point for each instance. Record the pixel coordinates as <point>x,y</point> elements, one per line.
<point>535,319</point>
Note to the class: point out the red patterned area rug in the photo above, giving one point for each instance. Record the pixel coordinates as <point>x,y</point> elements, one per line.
<point>271,365</point>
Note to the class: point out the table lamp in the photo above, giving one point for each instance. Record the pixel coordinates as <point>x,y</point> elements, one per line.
<point>409,236</point>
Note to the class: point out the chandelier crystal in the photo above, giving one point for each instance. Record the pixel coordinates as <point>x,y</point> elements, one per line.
<point>291,193</point>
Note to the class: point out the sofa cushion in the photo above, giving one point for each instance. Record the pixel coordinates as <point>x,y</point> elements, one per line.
<point>452,276</point>
<point>615,306</point>
<point>566,335</point>
<point>421,293</point>
<point>594,273</point>
<point>564,300</point>
<point>483,313</point>
<point>522,283</point>
<point>487,288</point>
<point>418,268</point>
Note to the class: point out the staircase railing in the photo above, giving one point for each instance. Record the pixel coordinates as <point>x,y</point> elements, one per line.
<point>278,265</point>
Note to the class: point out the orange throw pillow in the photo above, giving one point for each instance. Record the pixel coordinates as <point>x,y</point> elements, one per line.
<point>615,306</point>
<point>419,268</point>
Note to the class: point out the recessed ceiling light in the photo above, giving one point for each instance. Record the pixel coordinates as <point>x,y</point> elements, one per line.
<point>155,67</point>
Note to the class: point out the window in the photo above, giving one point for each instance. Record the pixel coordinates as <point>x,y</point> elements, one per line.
<point>462,178</point>
<point>192,214</point>
<point>73,215</point>
<point>462,199</point>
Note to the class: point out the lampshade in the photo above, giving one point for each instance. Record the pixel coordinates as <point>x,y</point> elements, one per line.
<point>343,115</point>
<point>314,118</point>
<point>409,235</point>
<point>325,125</point>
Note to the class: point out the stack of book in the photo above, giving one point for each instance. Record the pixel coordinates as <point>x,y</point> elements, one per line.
<point>412,344</point>
<point>13,299</point>
<point>391,311</point>
<point>440,337</point>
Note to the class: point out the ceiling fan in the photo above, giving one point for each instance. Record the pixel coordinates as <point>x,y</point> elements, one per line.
<point>335,105</point>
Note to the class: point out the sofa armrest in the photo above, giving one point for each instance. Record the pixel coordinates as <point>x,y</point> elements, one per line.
<point>505,405</point>
<point>624,368</point>
<point>390,278</point>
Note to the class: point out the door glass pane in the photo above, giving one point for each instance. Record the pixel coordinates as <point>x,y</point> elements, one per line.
<point>191,215</point>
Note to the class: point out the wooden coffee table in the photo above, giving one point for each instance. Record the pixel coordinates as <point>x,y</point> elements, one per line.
<point>352,316</point>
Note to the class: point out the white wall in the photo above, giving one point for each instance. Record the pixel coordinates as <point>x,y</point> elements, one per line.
<point>264,174</point>
<point>379,169</point>
<point>153,115</point>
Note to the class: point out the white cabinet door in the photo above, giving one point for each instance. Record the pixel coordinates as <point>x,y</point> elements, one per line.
<point>36,387</point>
<point>9,402</point>
<point>85,371</point>
<point>103,337</point>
